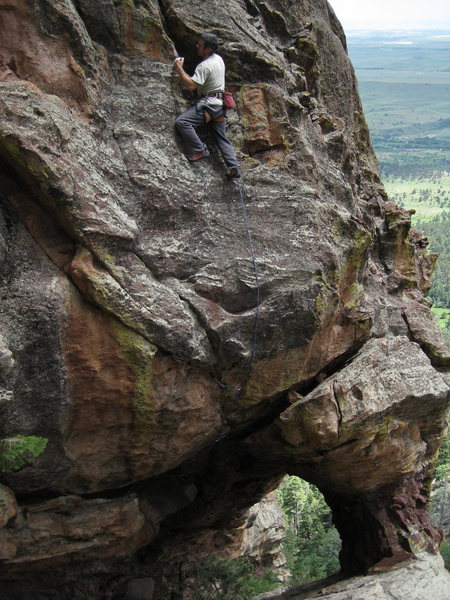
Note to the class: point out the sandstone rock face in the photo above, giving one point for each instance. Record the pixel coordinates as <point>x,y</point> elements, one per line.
<point>152,388</point>
<point>264,535</point>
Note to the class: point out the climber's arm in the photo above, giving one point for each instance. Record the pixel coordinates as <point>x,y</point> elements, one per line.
<point>188,82</point>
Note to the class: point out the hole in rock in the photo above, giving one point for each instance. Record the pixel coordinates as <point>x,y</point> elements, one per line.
<point>302,553</point>
<point>439,506</point>
<point>312,543</point>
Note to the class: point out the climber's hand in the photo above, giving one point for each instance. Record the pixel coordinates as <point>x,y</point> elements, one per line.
<point>178,62</point>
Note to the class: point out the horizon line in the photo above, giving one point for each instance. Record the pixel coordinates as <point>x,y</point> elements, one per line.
<point>399,28</point>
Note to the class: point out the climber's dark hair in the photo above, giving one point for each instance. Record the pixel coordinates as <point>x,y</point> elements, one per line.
<point>210,40</point>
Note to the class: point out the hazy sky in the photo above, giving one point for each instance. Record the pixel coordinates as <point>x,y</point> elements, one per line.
<point>392,14</point>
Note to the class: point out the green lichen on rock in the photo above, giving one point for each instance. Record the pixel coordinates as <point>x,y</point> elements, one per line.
<point>119,3</point>
<point>149,30</point>
<point>327,299</point>
<point>138,354</point>
<point>24,160</point>
<point>107,259</point>
<point>8,505</point>
<point>416,542</point>
<point>308,47</point>
<point>17,451</point>
<point>350,289</point>
<point>326,124</point>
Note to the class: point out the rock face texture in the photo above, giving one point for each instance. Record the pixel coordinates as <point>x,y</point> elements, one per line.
<point>153,385</point>
<point>264,536</point>
<point>419,579</point>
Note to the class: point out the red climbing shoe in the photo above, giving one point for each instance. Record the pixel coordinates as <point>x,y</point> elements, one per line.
<point>198,156</point>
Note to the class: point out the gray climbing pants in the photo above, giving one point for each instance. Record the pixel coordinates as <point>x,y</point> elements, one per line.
<point>192,118</point>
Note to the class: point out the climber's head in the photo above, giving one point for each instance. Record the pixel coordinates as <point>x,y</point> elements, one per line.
<point>207,44</point>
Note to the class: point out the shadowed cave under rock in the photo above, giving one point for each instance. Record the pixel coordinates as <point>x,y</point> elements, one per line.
<point>128,303</point>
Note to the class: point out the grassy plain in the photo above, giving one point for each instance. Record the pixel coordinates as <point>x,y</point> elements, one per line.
<point>404,82</point>
<point>427,196</point>
<point>441,313</point>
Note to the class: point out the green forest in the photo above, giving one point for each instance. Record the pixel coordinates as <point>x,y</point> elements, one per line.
<point>437,231</point>
<point>312,542</point>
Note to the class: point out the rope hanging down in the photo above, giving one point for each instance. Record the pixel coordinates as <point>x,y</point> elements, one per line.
<point>255,269</point>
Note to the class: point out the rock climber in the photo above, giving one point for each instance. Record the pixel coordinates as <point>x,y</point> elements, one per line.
<point>209,82</point>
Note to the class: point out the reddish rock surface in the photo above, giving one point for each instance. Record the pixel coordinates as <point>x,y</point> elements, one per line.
<point>166,396</point>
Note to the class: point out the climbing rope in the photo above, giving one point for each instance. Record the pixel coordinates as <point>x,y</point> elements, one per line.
<point>258,293</point>
<point>255,269</point>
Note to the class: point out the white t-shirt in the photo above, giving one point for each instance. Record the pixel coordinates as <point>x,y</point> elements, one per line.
<point>210,75</point>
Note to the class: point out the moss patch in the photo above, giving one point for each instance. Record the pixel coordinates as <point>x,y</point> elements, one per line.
<point>17,451</point>
<point>349,288</point>
<point>138,354</point>
<point>23,159</point>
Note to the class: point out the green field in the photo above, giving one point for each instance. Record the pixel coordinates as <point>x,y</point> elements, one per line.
<point>409,108</point>
<point>404,82</point>
<point>428,197</point>
<point>441,313</point>
<point>418,52</point>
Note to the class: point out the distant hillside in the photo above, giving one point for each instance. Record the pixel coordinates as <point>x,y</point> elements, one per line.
<point>404,81</point>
